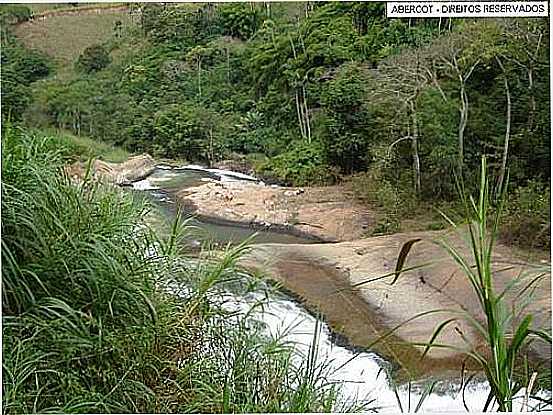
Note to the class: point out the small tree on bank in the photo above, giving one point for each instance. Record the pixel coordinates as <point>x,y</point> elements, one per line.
<point>93,59</point>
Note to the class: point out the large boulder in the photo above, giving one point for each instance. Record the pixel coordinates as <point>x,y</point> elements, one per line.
<point>134,169</point>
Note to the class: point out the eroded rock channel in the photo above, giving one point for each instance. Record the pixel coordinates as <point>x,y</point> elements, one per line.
<point>333,279</point>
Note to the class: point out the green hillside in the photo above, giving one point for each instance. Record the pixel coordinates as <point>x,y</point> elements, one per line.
<point>64,32</point>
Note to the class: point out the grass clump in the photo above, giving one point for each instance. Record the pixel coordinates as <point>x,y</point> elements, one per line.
<point>89,322</point>
<point>85,147</point>
<point>394,203</point>
<point>506,329</point>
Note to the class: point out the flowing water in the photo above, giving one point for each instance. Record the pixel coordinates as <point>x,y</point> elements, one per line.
<point>362,374</point>
<point>162,184</point>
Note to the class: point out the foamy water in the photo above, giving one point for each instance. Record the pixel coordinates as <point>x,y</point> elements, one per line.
<point>361,375</point>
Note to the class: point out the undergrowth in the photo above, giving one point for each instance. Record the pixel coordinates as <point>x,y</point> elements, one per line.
<point>100,314</point>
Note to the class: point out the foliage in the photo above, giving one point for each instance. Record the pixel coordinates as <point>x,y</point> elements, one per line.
<point>178,26</point>
<point>20,68</point>
<point>527,217</point>
<point>345,138</point>
<point>505,337</point>
<point>14,13</point>
<point>184,131</point>
<point>84,148</point>
<point>239,20</point>
<point>394,200</point>
<point>94,58</point>
<point>357,87</point>
<point>142,328</point>
<point>303,164</point>
<point>507,330</point>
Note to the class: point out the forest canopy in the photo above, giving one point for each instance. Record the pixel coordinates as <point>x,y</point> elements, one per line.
<point>311,92</point>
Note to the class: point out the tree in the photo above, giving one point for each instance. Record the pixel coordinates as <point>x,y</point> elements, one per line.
<point>238,20</point>
<point>403,77</point>
<point>345,135</point>
<point>526,47</point>
<point>456,56</point>
<point>200,54</point>
<point>20,68</point>
<point>94,58</point>
<point>188,131</point>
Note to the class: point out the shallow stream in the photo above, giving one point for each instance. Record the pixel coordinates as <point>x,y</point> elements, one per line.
<point>364,375</point>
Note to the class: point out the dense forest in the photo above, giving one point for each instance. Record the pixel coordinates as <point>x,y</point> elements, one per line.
<point>312,94</point>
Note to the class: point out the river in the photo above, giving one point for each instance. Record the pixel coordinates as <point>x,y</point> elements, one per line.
<point>364,375</point>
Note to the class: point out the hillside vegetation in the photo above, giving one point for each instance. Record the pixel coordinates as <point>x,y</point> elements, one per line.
<point>101,313</point>
<point>314,93</point>
<point>119,340</point>
<point>63,33</point>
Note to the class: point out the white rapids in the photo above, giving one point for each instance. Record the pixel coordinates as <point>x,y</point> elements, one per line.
<point>360,375</point>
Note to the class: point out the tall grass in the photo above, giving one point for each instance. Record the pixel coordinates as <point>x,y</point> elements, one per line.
<point>89,324</point>
<point>506,330</point>
<point>84,147</point>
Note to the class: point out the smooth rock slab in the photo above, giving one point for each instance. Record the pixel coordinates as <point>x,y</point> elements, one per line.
<point>324,277</point>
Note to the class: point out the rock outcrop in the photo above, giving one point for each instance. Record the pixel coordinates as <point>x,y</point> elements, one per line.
<point>322,212</point>
<point>134,169</point>
<point>342,281</point>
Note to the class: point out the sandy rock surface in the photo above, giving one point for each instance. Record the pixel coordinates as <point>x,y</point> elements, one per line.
<point>326,276</point>
<point>323,212</point>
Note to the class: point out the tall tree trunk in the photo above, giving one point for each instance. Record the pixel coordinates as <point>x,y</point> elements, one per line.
<point>507,129</point>
<point>200,77</point>
<point>306,112</point>
<point>211,145</point>
<point>415,148</point>
<point>532,99</point>
<point>299,112</point>
<point>228,64</point>
<point>462,124</point>
<point>299,104</point>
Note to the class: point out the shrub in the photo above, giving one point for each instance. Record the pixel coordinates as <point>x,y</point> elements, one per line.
<point>374,188</point>
<point>20,67</point>
<point>32,65</point>
<point>89,325</point>
<point>238,20</point>
<point>345,138</point>
<point>94,58</point>
<point>14,13</point>
<point>395,201</point>
<point>303,165</point>
<point>527,220</point>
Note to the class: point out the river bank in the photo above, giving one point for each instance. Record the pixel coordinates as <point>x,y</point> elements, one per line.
<point>323,212</point>
<point>330,277</point>
<point>327,277</point>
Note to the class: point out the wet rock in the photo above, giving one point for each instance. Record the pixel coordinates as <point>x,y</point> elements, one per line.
<point>238,165</point>
<point>374,306</point>
<point>132,170</point>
